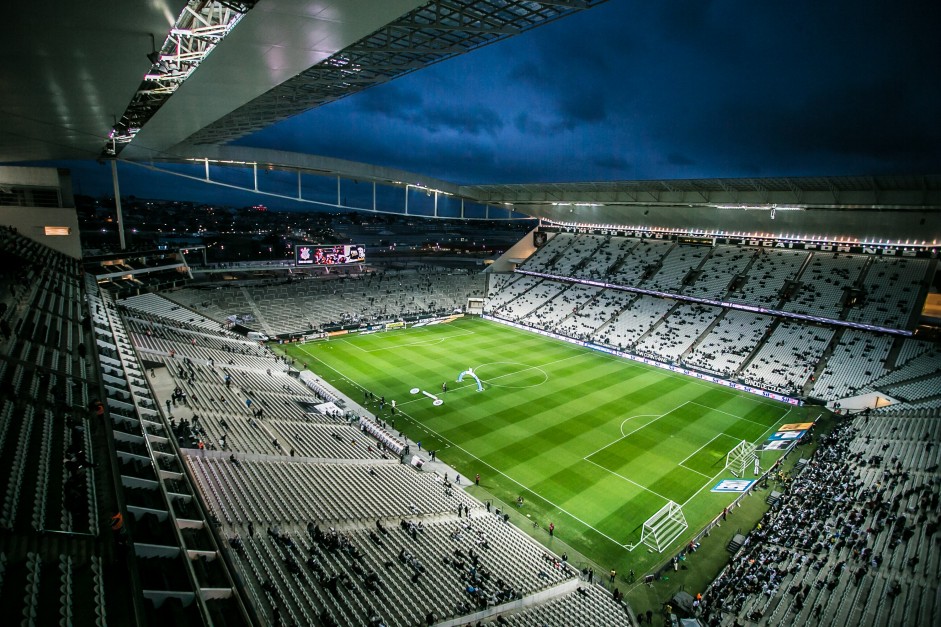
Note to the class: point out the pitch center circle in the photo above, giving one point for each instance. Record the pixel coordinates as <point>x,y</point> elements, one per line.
<point>511,374</point>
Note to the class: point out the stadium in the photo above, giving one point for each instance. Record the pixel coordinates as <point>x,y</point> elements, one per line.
<point>684,402</point>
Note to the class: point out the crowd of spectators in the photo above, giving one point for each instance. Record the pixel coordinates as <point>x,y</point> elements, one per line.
<point>838,519</point>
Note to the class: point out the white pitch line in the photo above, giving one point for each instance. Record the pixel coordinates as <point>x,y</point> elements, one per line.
<point>500,472</point>
<point>608,470</point>
<point>428,342</point>
<point>683,377</point>
<point>718,435</point>
<point>760,424</point>
<point>621,428</point>
<point>701,474</point>
<point>716,476</point>
<point>624,435</point>
<point>470,382</point>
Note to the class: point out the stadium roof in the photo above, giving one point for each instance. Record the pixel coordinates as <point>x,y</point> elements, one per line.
<point>845,192</point>
<point>73,74</point>
<point>247,64</point>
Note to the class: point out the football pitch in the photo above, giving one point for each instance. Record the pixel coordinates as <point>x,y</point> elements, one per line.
<point>593,443</point>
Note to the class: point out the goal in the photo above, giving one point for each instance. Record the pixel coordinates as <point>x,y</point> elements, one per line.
<point>740,458</point>
<point>661,529</point>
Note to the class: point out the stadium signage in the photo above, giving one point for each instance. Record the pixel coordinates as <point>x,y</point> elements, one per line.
<point>733,485</point>
<point>720,303</point>
<point>651,362</point>
<point>328,255</point>
<point>698,238</point>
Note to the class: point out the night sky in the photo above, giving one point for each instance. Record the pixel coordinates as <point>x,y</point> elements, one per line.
<point>650,90</point>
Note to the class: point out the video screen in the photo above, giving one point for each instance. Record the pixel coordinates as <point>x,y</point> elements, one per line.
<point>320,255</point>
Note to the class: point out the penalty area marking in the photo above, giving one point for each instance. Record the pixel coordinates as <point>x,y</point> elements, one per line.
<point>683,463</point>
<point>719,411</point>
<point>627,420</point>
<point>450,443</point>
<point>624,435</point>
<point>716,476</point>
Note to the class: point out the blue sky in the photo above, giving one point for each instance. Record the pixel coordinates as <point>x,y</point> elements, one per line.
<point>650,90</point>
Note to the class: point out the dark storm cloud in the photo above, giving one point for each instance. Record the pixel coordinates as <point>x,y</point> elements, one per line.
<point>611,162</point>
<point>673,89</point>
<point>675,158</point>
<point>400,105</point>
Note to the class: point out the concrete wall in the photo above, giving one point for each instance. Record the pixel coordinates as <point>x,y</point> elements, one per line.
<point>31,221</point>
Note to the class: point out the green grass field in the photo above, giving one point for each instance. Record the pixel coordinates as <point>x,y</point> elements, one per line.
<point>594,443</point>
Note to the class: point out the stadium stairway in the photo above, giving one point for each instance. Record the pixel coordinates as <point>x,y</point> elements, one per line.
<point>764,340</point>
<point>824,359</point>
<point>656,324</point>
<point>615,266</point>
<point>894,352</point>
<point>743,273</point>
<point>702,336</point>
<point>602,329</point>
<point>262,320</point>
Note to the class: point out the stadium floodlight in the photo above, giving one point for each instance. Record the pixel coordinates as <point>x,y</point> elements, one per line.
<point>664,527</point>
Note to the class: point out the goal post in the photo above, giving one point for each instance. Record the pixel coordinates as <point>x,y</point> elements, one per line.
<point>661,529</point>
<point>740,458</point>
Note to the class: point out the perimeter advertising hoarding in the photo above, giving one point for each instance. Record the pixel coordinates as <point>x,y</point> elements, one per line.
<point>324,255</point>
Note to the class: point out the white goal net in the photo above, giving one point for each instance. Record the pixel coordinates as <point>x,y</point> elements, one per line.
<point>740,458</point>
<point>661,529</point>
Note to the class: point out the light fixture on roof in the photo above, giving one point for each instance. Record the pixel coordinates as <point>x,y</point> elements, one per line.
<point>196,32</point>
<point>763,207</point>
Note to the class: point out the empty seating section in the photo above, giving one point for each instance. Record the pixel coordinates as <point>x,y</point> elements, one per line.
<point>720,269</point>
<point>912,349</point>
<point>570,299</point>
<point>673,337</point>
<point>729,343</point>
<point>633,321</point>
<point>825,282</point>
<point>891,290</point>
<point>612,252</point>
<point>577,253</point>
<point>588,606</point>
<point>156,305</point>
<point>51,510</point>
<point>594,313</point>
<point>541,260</point>
<point>509,292</point>
<point>675,267</point>
<point>924,388</point>
<point>916,381</point>
<point>642,258</point>
<point>297,305</point>
<point>788,357</point>
<point>286,491</point>
<point>216,302</point>
<point>858,359</point>
<point>157,494</point>
<point>530,301</point>
<point>767,277</point>
<point>926,364</point>
<point>873,290</point>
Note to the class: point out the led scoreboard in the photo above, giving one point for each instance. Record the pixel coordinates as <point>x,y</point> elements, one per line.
<point>321,255</point>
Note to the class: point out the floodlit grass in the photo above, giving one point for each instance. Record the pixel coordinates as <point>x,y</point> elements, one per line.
<point>595,444</point>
